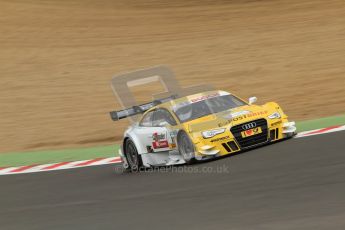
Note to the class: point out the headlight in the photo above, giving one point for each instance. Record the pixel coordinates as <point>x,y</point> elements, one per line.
<point>212,133</point>
<point>274,115</point>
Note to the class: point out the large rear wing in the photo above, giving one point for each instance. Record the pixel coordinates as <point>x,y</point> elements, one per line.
<point>122,83</point>
<point>138,109</point>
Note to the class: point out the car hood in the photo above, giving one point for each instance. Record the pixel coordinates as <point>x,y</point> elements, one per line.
<point>228,118</point>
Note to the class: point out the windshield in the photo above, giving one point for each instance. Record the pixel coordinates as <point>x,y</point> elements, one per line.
<point>190,111</point>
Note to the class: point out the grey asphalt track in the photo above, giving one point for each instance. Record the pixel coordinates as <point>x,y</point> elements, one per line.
<point>295,184</point>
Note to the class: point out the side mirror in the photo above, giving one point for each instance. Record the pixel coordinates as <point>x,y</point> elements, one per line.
<point>252,100</point>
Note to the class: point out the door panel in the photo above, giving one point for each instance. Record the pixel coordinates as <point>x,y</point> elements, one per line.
<point>154,139</point>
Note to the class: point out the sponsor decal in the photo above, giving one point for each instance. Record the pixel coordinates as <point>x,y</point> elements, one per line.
<point>158,136</point>
<point>159,141</point>
<point>251,132</point>
<point>160,144</point>
<point>220,139</point>
<point>173,135</point>
<point>261,113</point>
<point>204,97</point>
<point>239,113</point>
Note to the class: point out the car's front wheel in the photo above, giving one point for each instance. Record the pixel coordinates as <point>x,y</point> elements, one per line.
<point>186,147</point>
<point>133,158</point>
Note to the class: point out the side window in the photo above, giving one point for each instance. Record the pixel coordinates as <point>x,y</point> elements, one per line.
<point>161,116</point>
<point>147,120</point>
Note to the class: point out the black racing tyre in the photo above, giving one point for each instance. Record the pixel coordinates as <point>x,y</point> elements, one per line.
<point>186,147</point>
<point>132,156</point>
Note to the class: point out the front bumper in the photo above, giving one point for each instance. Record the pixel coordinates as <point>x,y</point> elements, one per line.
<point>289,127</point>
<point>230,142</point>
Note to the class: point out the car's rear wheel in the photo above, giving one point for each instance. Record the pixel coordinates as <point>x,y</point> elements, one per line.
<point>133,158</point>
<point>186,147</point>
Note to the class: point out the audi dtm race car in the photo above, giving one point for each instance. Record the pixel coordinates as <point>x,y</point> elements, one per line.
<point>202,126</point>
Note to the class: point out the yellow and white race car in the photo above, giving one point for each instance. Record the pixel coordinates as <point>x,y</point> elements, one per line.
<point>198,127</point>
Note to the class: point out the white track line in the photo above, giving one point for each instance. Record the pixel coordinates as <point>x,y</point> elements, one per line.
<point>332,129</point>
<point>59,166</point>
<point>114,160</point>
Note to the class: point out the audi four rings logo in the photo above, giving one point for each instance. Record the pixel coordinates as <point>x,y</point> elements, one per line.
<point>249,126</point>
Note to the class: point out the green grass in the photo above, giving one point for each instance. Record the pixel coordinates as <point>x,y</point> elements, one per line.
<point>53,156</point>
<point>320,123</point>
